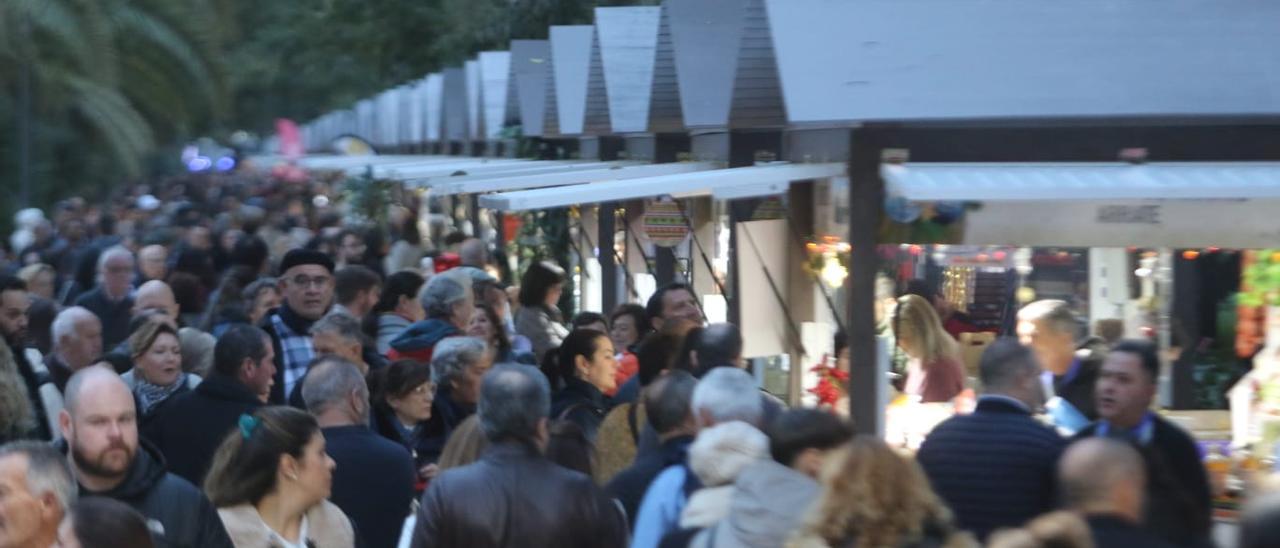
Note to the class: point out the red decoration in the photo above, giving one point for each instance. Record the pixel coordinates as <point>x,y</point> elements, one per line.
<point>446,261</point>
<point>832,382</point>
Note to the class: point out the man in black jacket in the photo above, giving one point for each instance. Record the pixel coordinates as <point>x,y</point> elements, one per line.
<point>100,429</point>
<point>995,467</point>
<point>1178,500</point>
<point>667,408</point>
<point>1050,328</point>
<point>514,496</point>
<point>373,482</point>
<point>189,429</point>
<point>1104,481</point>
<point>111,301</point>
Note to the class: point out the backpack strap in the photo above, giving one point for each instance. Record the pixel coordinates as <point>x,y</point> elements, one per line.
<point>631,423</point>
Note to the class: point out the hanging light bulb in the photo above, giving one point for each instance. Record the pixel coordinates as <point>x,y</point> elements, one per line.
<point>833,273</point>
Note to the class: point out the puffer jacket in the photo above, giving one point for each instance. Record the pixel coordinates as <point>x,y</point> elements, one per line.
<point>769,505</point>
<point>513,496</point>
<point>717,457</point>
<point>179,515</point>
<point>418,341</point>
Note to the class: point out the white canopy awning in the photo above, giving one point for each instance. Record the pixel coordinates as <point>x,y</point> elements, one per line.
<point>1082,181</point>
<point>446,185</point>
<point>684,185</point>
<point>344,162</point>
<point>620,172</point>
<point>468,166</point>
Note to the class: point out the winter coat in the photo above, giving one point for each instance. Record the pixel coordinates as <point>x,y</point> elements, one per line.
<point>630,485</point>
<point>995,467</point>
<point>373,483</point>
<point>115,315</point>
<point>178,514</point>
<point>189,427</point>
<point>327,527</point>
<point>1179,507</point>
<point>130,378</point>
<point>426,441</point>
<point>541,328</point>
<point>718,457</point>
<point>514,496</point>
<point>418,341</point>
<point>581,403</point>
<point>769,505</point>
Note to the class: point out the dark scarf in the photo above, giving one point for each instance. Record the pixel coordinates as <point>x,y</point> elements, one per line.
<point>299,325</point>
<point>151,395</point>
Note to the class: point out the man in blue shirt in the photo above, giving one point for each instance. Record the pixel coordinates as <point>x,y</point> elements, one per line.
<point>1050,328</point>
<point>1178,501</point>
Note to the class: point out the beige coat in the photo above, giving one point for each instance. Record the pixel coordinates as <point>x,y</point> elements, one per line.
<point>327,527</point>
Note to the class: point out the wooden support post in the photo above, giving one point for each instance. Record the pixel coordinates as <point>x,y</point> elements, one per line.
<point>866,202</point>
<point>608,262</point>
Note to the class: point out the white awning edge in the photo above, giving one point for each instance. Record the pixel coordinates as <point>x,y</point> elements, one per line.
<point>685,185</point>
<point>1082,181</point>
<point>482,182</point>
<point>576,178</point>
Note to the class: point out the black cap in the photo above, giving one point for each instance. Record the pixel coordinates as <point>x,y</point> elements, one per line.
<point>299,256</point>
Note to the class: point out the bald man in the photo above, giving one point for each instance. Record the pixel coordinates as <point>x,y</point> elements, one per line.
<point>1105,481</point>
<point>100,427</point>
<point>156,295</point>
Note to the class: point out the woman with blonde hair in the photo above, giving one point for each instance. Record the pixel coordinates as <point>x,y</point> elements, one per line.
<point>157,373</point>
<point>934,370</point>
<point>873,497</point>
<point>270,480</point>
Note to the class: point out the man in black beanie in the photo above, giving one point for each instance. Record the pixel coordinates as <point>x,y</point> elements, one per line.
<point>306,283</point>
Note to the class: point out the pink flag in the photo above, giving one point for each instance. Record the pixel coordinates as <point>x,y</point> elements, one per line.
<point>290,139</point>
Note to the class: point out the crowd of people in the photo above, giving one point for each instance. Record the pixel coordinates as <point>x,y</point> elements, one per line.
<point>232,364</point>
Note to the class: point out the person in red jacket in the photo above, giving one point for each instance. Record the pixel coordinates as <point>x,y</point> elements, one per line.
<point>449,303</point>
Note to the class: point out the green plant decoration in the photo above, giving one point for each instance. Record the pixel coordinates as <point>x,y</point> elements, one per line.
<point>1262,278</point>
<point>370,199</point>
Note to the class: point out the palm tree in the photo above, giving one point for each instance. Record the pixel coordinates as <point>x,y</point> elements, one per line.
<point>109,78</point>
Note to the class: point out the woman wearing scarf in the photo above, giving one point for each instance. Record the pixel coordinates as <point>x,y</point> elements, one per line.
<point>157,371</point>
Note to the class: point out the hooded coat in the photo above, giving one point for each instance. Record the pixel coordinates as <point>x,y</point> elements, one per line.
<point>178,514</point>
<point>718,457</point>
<point>769,505</point>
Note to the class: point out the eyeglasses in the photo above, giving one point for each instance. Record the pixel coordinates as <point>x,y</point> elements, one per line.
<point>304,281</point>
<point>422,390</point>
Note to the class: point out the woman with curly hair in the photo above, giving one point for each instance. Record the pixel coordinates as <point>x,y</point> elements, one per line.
<point>874,497</point>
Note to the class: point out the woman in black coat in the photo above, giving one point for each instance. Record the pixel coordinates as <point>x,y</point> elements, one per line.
<point>585,367</point>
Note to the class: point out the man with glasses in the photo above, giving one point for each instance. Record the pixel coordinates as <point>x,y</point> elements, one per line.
<point>306,283</point>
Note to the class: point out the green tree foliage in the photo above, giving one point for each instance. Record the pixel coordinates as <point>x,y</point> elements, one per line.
<point>95,85</point>
<point>116,85</point>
